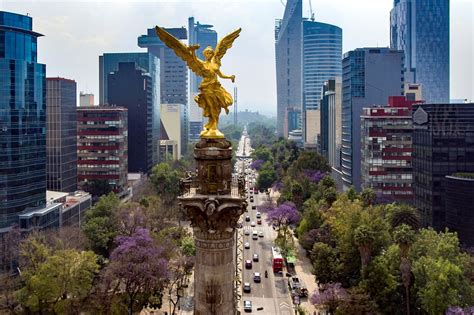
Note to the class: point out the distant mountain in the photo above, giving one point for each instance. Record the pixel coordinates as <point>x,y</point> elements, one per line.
<point>247,117</point>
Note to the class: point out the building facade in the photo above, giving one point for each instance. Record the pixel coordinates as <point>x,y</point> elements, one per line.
<point>443,144</point>
<point>322,53</point>
<point>386,149</point>
<point>174,72</point>
<point>459,205</point>
<point>288,37</point>
<point>421,29</point>
<point>131,87</point>
<point>86,99</point>
<point>22,119</point>
<point>292,119</point>
<point>333,97</point>
<point>370,76</point>
<point>102,147</point>
<point>61,134</point>
<point>204,36</point>
<point>173,117</point>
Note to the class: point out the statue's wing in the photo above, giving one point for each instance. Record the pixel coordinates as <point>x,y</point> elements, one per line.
<point>224,44</point>
<point>181,50</point>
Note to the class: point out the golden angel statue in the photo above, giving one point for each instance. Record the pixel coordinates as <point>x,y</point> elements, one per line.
<point>212,97</point>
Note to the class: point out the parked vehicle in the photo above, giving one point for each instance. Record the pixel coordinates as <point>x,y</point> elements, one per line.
<point>297,287</point>
<point>248,306</point>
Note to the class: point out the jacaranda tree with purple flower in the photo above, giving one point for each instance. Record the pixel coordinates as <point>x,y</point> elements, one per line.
<point>329,296</point>
<point>281,217</point>
<point>138,268</point>
<point>256,165</point>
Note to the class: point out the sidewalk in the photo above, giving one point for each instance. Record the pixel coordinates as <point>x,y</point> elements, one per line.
<point>303,269</point>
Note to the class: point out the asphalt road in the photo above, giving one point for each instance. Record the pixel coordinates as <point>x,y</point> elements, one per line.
<point>271,293</point>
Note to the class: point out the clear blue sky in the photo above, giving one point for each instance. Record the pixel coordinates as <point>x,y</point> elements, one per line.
<point>77,32</point>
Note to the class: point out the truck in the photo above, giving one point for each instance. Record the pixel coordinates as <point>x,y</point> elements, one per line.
<point>297,287</point>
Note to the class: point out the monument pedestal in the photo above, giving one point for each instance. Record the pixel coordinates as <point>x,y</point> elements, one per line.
<point>213,202</point>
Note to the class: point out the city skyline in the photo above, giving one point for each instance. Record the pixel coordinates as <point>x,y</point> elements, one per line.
<point>108,30</point>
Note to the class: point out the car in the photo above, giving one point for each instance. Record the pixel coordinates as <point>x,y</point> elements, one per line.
<point>247,232</point>
<point>248,264</point>
<point>255,257</point>
<point>247,218</point>
<point>254,207</point>
<point>260,234</point>
<point>251,199</point>
<point>259,221</point>
<point>247,287</point>
<point>256,277</point>
<point>252,224</point>
<point>255,235</point>
<point>259,215</point>
<point>247,245</point>
<point>248,306</point>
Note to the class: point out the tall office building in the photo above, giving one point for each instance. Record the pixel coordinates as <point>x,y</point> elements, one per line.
<point>288,37</point>
<point>102,146</point>
<point>22,119</point>
<point>204,35</point>
<point>174,72</point>
<point>61,134</point>
<point>173,117</point>
<point>148,63</point>
<point>292,119</point>
<point>386,150</point>
<point>131,87</point>
<point>421,29</point>
<point>443,144</point>
<point>370,76</point>
<point>322,53</point>
<point>330,121</point>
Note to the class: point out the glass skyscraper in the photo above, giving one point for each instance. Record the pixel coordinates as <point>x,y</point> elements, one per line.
<point>61,140</point>
<point>22,119</point>
<point>288,61</point>
<point>109,63</point>
<point>322,53</point>
<point>421,29</point>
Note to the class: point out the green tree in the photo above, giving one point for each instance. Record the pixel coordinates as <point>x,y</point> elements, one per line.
<point>59,281</point>
<point>403,214</point>
<point>438,269</point>
<point>166,182</point>
<point>325,263</point>
<point>368,196</point>
<point>364,238</point>
<point>102,224</point>
<point>98,188</point>
<point>404,236</point>
<point>265,179</point>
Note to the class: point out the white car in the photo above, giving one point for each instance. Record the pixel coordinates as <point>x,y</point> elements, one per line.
<point>247,232</point>
<point>247,245</point>
<point>252,224</point>
<point>260,234</point>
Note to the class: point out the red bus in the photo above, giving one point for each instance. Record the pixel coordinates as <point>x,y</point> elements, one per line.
<point>277,260</point>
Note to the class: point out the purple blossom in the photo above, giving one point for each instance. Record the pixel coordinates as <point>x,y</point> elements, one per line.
<point>456,310</point>
<point>284,214</point>
<point>277,186</point>
<point>314,176</point>
<point>328,295</point>
<point>256,165</point>
<point>138,261</point>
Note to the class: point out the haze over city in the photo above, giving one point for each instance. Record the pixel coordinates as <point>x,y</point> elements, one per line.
<point>77,32</point>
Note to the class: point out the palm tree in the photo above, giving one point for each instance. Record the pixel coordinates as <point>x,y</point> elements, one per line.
<point>364,238</point>
<point>404,236</point>
<point>403,214</point>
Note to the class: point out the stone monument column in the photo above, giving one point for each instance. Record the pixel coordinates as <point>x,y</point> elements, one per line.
<point>213,203</point>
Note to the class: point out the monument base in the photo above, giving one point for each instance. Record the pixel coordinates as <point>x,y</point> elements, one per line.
<point>213,202</point>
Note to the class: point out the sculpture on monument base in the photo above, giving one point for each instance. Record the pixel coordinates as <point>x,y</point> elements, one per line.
<point>212,97</point>
<point>211,199</point>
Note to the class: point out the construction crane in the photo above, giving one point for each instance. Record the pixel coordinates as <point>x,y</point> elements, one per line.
<point>311,11</point>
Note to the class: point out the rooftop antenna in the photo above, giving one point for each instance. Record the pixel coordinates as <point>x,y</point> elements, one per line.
<point>311,11</point>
